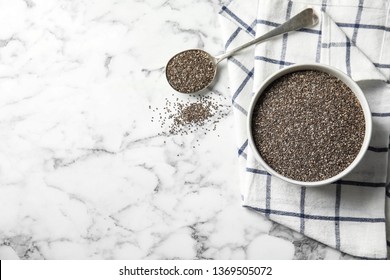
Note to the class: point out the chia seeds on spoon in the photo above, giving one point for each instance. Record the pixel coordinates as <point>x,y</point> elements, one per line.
<point>308,126</point>
<point>190,71</point>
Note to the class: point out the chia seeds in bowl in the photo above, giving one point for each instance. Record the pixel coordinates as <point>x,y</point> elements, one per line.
<point>309,127</point>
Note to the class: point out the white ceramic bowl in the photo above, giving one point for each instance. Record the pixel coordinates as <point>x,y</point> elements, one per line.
<point>355,89</point>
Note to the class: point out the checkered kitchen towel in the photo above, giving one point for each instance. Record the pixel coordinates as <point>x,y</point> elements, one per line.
<point>354,36</point>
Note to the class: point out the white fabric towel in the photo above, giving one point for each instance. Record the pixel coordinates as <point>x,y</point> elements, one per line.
<point>353,36</point>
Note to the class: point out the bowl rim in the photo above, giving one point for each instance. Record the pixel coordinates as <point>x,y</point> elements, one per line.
<point>344,78</point>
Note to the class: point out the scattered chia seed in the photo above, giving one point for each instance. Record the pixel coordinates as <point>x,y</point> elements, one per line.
<point>308,126</point>
<point>193,114</point>
<point>190,71</point>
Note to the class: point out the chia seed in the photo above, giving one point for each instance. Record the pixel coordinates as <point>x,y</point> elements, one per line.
<point>190,71</point>
<point>308,126</point>
<point>192,113</point>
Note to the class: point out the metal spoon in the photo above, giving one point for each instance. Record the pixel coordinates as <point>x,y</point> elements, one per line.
<point>180,80</point>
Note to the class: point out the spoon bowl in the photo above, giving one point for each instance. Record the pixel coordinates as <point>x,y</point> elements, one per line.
<point>181,79</point>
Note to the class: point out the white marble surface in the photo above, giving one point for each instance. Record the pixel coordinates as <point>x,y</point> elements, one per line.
<point>84,173</point>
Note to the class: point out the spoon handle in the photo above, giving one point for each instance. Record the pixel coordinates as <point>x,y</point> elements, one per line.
<point>304,19</point>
